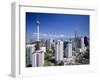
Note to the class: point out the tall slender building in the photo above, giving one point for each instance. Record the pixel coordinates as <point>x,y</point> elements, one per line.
<point>30,48</point>
<point>68,50</point>
<point>80,43</point>
<point>38,58</point>
<point>80,46</point>
<point>38,54</point>
<point>59,51</point>
<point>75,44</point>
<point>49,44</point>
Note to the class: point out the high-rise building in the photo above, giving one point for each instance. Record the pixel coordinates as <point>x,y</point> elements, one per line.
<point>68,49</point>
<point>38,58</point>
<point>49,44</point>
<point>30,48</point>
<point>80,43</point>
<point>59,51</point>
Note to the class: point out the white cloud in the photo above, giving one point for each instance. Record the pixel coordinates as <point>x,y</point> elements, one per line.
<point>44,35</point>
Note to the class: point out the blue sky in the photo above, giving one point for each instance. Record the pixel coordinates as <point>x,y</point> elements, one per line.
<point>57,25</point>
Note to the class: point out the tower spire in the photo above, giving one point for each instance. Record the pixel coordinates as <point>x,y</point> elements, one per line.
<point>37,32</point>
<point>37,26</point>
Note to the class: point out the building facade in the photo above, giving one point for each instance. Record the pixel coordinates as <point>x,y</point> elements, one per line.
<point>30,48</point>
<point>68,49</point>
<point>80,43</point>
<point>59,51</point>
<point>49,44</point>
<point>38,58</point>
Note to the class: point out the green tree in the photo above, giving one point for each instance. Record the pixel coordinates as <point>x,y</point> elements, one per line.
<point>61,63</point>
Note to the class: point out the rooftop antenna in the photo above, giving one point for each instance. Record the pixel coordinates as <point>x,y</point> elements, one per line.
<point>37,26</point>
<point>37,36</point>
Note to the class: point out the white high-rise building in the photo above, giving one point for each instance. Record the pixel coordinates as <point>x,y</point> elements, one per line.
<point>30,48</point>
<point>80,46</point>
<point>68,50</point>
<point>38,58</point>
<point>59,51</point>
<point>82,43</point>
<point>49,44</point>
<point>79,41</point>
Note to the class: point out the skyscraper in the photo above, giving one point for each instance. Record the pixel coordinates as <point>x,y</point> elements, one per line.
<point>68,49</point>
<point>59,51</point>
<point>38,58</point>
<point>49,44</point>
<point>80,43</point>
<point>30,48</point>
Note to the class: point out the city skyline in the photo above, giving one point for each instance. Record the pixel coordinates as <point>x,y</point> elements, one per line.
<point>57,25</point>
<point>58,51</point>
